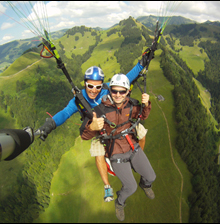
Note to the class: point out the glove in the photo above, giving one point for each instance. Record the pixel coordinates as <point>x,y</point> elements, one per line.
<point>145,58</point>
<point>46,128</point>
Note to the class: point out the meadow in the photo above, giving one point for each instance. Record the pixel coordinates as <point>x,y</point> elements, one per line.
<point>193,56</point>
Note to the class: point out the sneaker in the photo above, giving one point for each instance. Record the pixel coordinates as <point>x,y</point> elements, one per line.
<point>119,211</point>
<point>148,191</point>
<point>108,193</point>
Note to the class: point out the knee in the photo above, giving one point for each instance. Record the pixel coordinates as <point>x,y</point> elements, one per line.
<point>131,188</point>
<point>154,177</point>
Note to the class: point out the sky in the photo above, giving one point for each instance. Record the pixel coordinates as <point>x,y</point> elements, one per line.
<point>104,14</point>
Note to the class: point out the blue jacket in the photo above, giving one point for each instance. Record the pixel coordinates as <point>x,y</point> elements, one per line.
<point>71,108</point>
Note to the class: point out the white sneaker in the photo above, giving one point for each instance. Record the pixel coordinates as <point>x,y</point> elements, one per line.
<point>108,193</point>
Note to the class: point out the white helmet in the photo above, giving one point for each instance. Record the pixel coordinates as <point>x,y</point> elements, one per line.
<point>120,80</point>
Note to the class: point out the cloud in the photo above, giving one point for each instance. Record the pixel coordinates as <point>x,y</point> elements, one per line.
<point>91,13</point>
<point>200,11</point>
<point>2,8</point>
<point>7,38</point>
<point>104,14</point>
<point>54,9</point>
<point>26,34</point>
<point>62,25</point>
<point>6,25</point>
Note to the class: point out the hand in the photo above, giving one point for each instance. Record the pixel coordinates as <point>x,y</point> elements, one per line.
<point>145,99</point>
<point>145,58</point>
<point>97,123</point>
<point>46,128</point>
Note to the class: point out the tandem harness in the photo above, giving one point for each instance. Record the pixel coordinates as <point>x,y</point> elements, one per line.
<point>120,160</point>
<point>109,140</point>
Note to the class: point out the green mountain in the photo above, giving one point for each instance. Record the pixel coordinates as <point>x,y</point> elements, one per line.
<point>194,31</point>
<point>197,45</point>
<point>150,21</point>
<point>215,23</point>
<point>57,180</point>
<point>9,52</point>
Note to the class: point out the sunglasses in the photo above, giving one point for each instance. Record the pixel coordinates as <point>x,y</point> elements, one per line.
<point>121,92</point>
<point>91,86</point>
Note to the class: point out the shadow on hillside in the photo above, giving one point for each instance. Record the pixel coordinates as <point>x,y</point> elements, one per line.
<point>20,205</point>
<point>79,200</point>
<point>84,203</point>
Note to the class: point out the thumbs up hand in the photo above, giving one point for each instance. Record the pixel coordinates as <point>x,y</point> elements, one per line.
<point>97,123</point>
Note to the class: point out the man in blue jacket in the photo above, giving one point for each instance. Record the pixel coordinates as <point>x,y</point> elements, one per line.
<point>93,93</point>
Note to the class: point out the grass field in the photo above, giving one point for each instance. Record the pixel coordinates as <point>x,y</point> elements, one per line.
<point>27,72</point>
<point>21,63</point>
<point>103,52</point>
<point>193,56</point>
<point>25,65</point>
<point>77,190</point>
<point>81,45</point>
<point>205,97</point>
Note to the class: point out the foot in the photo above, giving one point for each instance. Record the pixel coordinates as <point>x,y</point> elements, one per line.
<point>119,210</point>
<point>148,191</point>
<point>108,193</point>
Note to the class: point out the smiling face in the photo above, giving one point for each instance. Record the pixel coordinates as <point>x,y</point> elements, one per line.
<point>118,94</point>
<point>93,93</point>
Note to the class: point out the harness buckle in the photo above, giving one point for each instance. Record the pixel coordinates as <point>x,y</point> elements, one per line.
<point>118,160</point>
<point>124,132</point>
<point>136,149</point>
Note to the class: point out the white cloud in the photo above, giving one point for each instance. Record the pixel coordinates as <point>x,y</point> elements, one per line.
<point>42,11</point>
<point>26,34</point>
<point>62,25</point>
<point>6,25</point>
<point>200,11</point>
<point>104,14</point>
<point>54,9</point>
<point>2,8</point>
<point>7,38</point>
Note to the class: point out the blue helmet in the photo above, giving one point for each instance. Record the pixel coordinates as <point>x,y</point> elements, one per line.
<point>94,73</point>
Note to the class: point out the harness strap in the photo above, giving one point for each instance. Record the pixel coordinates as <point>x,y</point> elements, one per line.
<point>109,140</point>
<point>120,160</point>
<point>129,141</point>
<point>112,147</point>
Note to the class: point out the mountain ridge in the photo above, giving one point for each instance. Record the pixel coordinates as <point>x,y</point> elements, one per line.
<point>22,45</point>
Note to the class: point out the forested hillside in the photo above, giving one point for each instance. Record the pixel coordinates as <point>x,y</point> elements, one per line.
<point>210,77</point>
<point>196,141</point>
<point>150,21</point>
<point>41,87</point>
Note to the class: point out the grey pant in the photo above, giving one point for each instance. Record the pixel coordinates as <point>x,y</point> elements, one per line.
<point>123,171</point>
